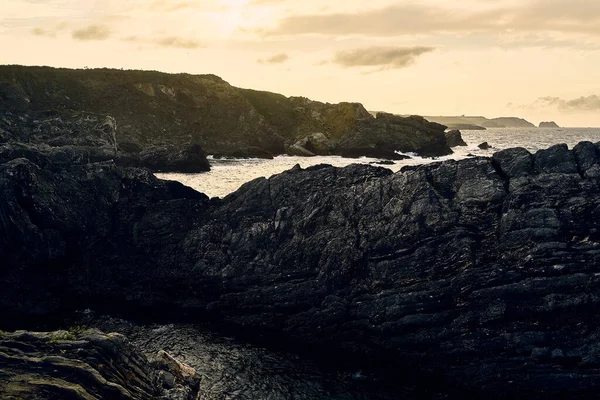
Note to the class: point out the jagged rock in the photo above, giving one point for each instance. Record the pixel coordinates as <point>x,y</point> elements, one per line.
<point>556,159</point>
<point>313,144</point>
<point>446,275</point>
<point>587,158</point>
<point>297,150</point>
<point>297,117</point>
<point>80,138</point>
<point>84,364</point>
<point>515,162</point>
<point>484,146</point>
<point>184,158</point>
<point>151,108</point>
<point>454,138</point>
<point>387,133</point>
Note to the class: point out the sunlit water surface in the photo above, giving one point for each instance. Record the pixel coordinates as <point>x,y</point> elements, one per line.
<point>227,176</point>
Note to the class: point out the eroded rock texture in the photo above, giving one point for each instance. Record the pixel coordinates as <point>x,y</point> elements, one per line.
<point>481,274</point>
<point>88,365</point>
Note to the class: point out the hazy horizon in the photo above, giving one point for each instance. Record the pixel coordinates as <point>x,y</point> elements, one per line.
<point>533,59</point>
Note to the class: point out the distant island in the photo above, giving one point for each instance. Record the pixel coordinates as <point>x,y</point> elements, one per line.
<point>550,124</point>
<point>477,122</point>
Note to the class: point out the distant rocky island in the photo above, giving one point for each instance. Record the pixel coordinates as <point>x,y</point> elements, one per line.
<point>550,124</point>
<point>168,122</point>
<point>480,123</point>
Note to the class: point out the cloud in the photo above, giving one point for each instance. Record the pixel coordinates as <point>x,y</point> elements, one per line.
<point>276,59</point>
<point>565,16</point>
<point>178,42</point>
<point>92,32</point>
<point>50,32</point>
<point>384,57</point>
<point>583,103</point>
<point>43,32</point>
<point>162,5</point>
<point>262,2</point>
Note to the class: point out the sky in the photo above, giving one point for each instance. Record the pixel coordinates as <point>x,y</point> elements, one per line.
<point>537,59</point>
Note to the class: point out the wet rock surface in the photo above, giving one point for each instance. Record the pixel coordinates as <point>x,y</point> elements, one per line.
<point>232,367</point>
<point>480,276</point>
<point>87,364</point>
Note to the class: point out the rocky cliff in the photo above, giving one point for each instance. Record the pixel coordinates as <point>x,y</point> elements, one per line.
<point>157,110</point>
<point>479,276</point>
<point>151,108</point>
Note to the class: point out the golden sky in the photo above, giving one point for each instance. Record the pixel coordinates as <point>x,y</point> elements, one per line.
<point>538,59</point>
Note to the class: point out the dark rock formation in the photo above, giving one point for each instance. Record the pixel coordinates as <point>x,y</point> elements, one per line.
<point>484,146</point>
<point>310,145</point>
<point>479,275</point>
<point>550,124</point>
<point>80,138</point>
<point>154,110</point>
<point>88,364</point>
<point>295,118</point>
<point>151,108</point>
<point>387,133</point>
<point>454,138</point>
<point>183,158</point>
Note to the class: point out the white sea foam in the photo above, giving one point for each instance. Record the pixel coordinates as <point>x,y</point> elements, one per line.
<point>227,176</point>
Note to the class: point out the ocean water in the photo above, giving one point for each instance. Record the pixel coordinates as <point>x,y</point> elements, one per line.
<point>227,176</point>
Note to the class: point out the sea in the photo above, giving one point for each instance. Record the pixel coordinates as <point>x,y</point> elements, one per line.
<point>227,175</point>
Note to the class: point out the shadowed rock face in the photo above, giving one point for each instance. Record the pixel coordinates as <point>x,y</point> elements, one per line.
<point>88,365</point>
<point>382,136</point>
<point>454,138</point>
<point>481,273</point>
<point>81,137</point>
<point>154,110</point>
<point>151,108</point>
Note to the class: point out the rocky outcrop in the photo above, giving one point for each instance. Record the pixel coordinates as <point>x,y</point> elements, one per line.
<point>80,138</point>
<point>550,124</point>
<point>151,108</point>
<point>155,110</point>
<point>454,138</point>
<point>295,118</point>
<point>88,364</point>
<point>387,134</point>
<point>479,275</point>
<point>313,144</point>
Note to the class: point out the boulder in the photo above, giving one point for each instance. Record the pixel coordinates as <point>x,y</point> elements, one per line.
<point>387,133</point>
<point>313,144</point>
<point>183,158</point>
<point>484,146</point>
<point>454,138</point>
